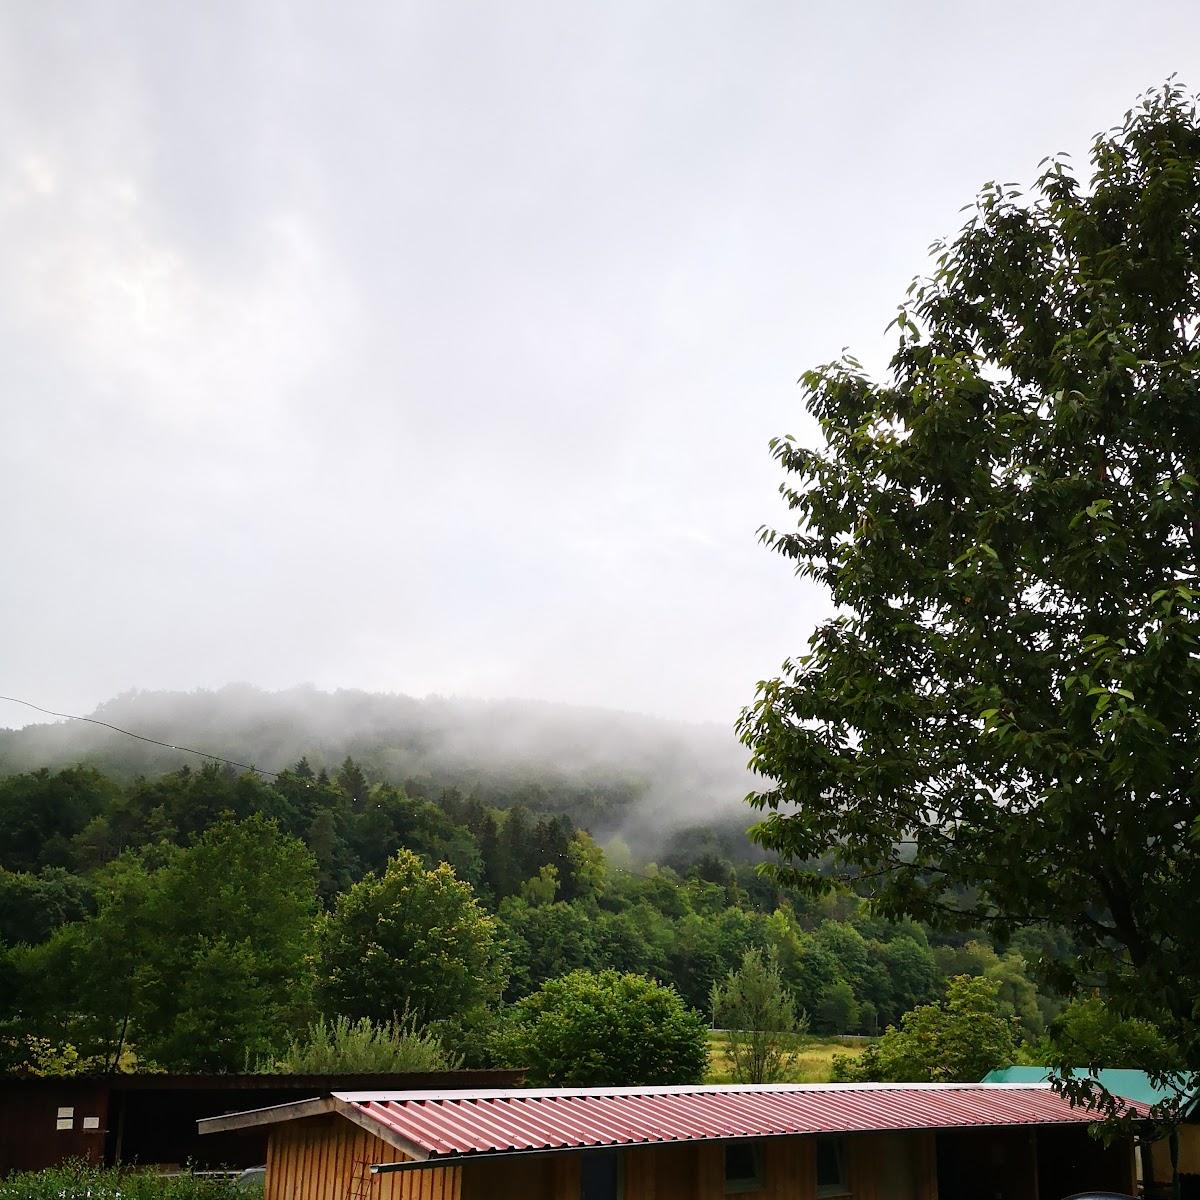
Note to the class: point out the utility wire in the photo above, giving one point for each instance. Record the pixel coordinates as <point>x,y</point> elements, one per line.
<point>142,738</point>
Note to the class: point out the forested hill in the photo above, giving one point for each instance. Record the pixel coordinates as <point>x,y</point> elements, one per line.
<point>609,772</point>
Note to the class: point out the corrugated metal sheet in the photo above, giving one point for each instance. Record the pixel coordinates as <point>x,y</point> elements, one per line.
<point>439,1126</point>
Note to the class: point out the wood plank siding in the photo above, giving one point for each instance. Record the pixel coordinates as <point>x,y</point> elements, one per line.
<point>326,1158</point>
<point>882,1167</point>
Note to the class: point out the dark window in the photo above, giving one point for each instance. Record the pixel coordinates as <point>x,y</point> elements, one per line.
<point>743,1167</point>
<point>832,1179</point>
<point>600,1175</point>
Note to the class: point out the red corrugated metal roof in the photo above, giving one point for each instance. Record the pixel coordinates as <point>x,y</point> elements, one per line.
<point>437,1126</point>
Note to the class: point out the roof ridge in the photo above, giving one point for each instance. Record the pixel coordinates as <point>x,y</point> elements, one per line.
<point>460,1096</point>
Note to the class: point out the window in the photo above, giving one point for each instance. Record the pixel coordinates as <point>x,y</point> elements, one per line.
<point>743,1167</point>
<point>832,1179</point>
<point>600,1175</point>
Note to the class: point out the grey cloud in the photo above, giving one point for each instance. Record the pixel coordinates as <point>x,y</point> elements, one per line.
<point>435,347</point>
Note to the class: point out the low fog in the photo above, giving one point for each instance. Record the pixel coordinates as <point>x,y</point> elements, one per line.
<point>662,776</point>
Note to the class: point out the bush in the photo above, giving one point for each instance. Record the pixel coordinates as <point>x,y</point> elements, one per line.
<point>361,1047</point>
<point>607,1029</point>
<point>81,1181</point>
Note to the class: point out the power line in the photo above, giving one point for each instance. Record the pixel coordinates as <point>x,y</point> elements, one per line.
<point>141,737</point>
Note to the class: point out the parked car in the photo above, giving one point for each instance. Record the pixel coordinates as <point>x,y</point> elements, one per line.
<point>251,1179</point>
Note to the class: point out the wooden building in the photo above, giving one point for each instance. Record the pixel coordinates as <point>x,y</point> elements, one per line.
<point>151,1119</point>
<point>781,1142</point>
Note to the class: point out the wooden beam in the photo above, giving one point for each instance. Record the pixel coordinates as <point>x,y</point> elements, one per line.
<point>267,1116</point>
<point>351,1111</point>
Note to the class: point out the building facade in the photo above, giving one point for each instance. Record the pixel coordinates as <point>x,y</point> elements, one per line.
<point>814,1142</point>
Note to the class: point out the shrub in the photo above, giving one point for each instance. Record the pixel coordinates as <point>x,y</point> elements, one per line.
<point>765,1032</point>
<point>607,1029</point>
<point>361,1047</point>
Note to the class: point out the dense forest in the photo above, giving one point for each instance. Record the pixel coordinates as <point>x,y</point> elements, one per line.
<point>611,772</point>
<point>201,917</point>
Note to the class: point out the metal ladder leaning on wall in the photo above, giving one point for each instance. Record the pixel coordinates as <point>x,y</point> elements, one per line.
<point>361,1180</point>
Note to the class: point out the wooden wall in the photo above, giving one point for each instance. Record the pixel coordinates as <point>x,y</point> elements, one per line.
<point>881,1167</point>
<point>322,1158</point>
<point>1189,1154</point>
<point>29,1135</point>
<point>325,1158</point>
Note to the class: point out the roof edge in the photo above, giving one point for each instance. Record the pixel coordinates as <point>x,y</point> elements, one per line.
<point>294,1111</point>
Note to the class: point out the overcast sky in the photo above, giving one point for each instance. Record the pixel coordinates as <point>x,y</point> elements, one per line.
<point>434,348</point>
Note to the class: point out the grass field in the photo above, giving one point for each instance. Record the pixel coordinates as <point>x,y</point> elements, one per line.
<point>813,1066</point>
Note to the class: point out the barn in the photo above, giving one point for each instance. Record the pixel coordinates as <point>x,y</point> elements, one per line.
<point>779,1142</point>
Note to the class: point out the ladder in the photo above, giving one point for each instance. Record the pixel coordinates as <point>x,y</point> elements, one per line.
<point>361,1180</point>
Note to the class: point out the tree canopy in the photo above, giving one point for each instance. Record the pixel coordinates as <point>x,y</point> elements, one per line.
<point>1000,726</point>
<point>412,939</point>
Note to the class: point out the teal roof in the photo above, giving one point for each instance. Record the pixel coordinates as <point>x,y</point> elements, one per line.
<point>1132,1085</point>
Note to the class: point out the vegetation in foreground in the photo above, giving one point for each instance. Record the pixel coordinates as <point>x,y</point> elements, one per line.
<point>78,1181</point>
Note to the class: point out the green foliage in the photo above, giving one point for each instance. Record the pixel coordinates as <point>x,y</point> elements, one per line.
<point>148,947</point>
<point>1000,728</point>
<point>41,812</point>
<point>33,906</point>
<point>411,939</point>
<point>607,1029</point>
<point>958,1040</point>
<point>198,962</point>
<point>360,1047</point>
<point>1089,1034</point>
<point>764,1031</point>
<point>232,916</point>
<point>80,1181</point>
<point>1017,995</point>
<point>837,1010</point>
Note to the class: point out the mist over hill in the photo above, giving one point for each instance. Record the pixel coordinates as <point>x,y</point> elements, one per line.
<point>612,772</point>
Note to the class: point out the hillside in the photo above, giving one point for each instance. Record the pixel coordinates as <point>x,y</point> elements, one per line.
<point>611,772</point>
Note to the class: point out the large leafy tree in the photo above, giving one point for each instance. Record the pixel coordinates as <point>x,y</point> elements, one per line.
<point>198,963</point>
<point>1000,726</point>
<point>228,947</point>
<point>410,940</point>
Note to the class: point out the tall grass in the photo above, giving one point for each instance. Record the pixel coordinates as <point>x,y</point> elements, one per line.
<point>80,1181</point>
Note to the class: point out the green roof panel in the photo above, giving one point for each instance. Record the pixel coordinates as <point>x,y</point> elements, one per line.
<point>1132,1085</point>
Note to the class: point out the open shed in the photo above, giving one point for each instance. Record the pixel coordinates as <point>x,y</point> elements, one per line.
<point>1155,1163</point>
<point>151,1119</point>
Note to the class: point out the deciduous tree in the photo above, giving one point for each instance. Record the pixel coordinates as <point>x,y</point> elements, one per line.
<point>410,939</point>
<point>957,1040</point>
<point>1001,724</point>
<point>764,1033</point>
